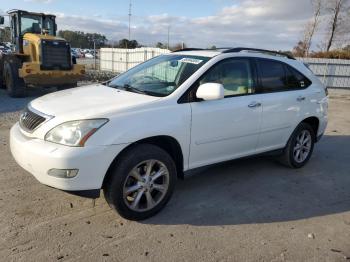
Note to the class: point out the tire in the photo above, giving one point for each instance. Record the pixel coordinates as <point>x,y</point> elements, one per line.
<point>67,86</point>
<point>14,84</point>
<point>135,205</point>
<point>290,156</point>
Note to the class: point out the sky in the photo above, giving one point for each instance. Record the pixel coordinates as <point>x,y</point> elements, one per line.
<point>273,24</point>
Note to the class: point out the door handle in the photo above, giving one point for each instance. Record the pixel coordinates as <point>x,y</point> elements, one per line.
<point>254,104</point>
<point>301,98</point>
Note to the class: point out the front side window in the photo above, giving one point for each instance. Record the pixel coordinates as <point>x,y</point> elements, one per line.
<point>49,26</point>
<point>159,76</point>
<point>234,74</point>
<point>30,24</point>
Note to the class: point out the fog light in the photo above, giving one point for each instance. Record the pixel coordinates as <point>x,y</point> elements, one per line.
<point>63,173</point>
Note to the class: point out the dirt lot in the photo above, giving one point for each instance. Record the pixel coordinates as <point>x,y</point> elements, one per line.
<point>246,210</point>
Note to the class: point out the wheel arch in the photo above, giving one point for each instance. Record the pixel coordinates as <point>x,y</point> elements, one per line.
<point>314,122</point>
<point>167,143</point>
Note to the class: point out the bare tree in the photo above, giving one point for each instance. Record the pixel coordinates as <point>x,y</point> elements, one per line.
<point>312,26</point>
<point>303,47</point>
<point>300,49</point>
<point>337,10</point>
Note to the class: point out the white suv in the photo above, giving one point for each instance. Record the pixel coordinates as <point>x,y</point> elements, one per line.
<point>136,134</point>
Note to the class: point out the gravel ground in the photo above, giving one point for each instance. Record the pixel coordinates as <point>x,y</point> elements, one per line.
<point>246,210</point>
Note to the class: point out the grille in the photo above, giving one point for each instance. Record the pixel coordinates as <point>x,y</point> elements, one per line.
<point>55,55</point>
<point>30,120</point>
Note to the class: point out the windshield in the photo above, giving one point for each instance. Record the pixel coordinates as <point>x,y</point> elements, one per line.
<point>159,76</point>
<point>34,24</point>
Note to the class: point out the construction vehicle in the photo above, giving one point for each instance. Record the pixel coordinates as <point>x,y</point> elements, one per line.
<point>39,58</point>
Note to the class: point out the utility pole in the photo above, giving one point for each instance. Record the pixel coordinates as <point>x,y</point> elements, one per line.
<point>130,20</point>
<point>168,37</point>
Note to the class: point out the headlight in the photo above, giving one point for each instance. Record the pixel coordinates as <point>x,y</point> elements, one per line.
<point>74,133</point>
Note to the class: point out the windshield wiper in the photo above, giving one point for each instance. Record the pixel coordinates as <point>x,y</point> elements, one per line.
<point>129,88</point>
<point>134,90</point>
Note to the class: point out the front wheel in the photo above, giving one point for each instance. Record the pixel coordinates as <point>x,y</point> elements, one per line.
<point>141,183</point>
<point>14,84</point>
<point>300,147</point>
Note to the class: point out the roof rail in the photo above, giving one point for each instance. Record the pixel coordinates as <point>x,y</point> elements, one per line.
<point>188,49</point>
<point>240,49</point>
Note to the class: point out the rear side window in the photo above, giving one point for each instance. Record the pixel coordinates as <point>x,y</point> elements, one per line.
<point>276,77</point>
<point>295,79</point>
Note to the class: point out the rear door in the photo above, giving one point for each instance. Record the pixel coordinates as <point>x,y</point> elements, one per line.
<point>228,128</point>
<point>283,96</point>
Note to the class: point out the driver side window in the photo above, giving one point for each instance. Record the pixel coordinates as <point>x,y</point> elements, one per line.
<point>234,74</point>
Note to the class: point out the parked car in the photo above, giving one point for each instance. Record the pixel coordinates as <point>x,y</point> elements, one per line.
<point>135,135</point>
<point>89,55</point>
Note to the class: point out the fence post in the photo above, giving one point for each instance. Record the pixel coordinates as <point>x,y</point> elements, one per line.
<point>127,59</point>
<point>113,60</point>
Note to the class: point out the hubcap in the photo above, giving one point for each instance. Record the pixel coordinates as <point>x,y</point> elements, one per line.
<point>302,146</point>
<point>146,185</point>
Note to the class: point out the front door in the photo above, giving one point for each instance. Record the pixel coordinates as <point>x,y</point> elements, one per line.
<point>228,128</point>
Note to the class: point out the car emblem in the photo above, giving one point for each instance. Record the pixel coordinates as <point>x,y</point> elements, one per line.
<point>24,116</point>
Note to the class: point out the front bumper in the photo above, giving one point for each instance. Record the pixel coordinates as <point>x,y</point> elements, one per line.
<point>32,74</point>
<point>38,156</point>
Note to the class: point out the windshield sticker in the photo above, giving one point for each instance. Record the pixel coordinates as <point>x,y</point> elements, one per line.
<point>191,61</point>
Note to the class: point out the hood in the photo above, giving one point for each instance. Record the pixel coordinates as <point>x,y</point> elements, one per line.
<point>89,101</point>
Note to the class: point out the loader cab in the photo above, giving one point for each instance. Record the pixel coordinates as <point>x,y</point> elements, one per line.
<point>23,22</point>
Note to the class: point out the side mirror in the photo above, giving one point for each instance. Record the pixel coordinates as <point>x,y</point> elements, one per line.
<point>211,91</point>
<point>2,20</point>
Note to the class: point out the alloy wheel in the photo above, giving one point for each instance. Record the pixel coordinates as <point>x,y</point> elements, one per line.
<point>302,146</point>
<point>146,185</point>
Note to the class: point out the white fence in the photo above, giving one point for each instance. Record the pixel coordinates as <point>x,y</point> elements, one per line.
<point>120,60</point>
<point>334,73</point>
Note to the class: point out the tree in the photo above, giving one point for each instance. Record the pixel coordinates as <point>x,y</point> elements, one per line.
<point>131,44</point>
<point>300,49</point>
<point>312,25</point>
<point>161,45</point>
<point>303,47</point>
<point>338,13</point>
<point>178,46</point>
<point>83,40</point>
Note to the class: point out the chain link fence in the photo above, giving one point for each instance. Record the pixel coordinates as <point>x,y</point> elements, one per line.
<point>334,73</point>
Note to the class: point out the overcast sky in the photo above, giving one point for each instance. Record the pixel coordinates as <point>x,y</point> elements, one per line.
<point>274,24</point>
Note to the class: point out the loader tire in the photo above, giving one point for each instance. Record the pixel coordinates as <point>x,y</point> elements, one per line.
<point>14,84</point>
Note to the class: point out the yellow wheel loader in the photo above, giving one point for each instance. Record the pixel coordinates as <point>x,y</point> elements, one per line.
<point>39,58</point>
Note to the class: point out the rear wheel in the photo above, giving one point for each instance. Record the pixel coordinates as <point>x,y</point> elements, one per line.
<point>300,147</point>
<point>141,183</point>
<point>14,84</point>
